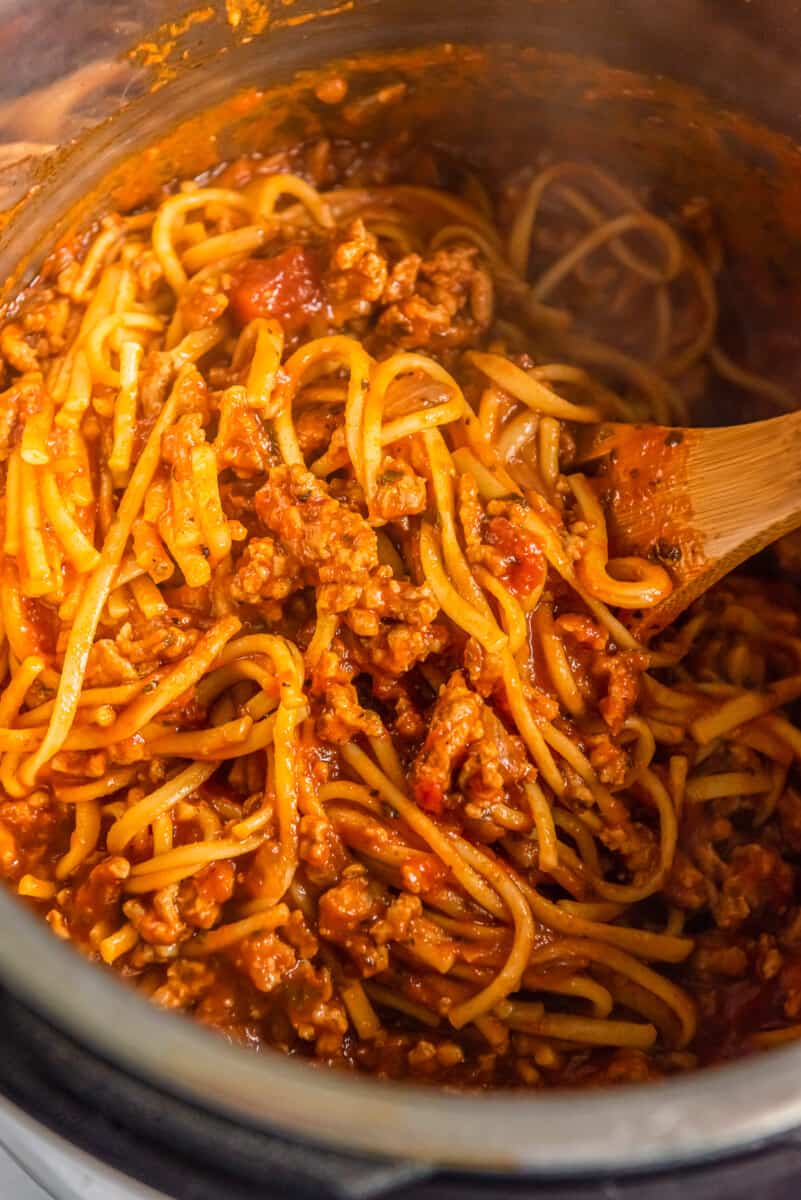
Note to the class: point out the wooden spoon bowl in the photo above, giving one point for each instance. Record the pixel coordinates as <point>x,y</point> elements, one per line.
<point>698,501</point>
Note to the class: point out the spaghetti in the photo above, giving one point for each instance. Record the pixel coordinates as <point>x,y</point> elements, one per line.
<point>321,715</point>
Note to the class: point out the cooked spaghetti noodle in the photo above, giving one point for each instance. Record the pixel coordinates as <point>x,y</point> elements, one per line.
<point>322,718</point>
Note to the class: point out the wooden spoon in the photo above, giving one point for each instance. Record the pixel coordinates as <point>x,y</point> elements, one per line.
<point>698,501</point>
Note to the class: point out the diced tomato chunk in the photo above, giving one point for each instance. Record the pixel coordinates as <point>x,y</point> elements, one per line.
<point>287,287</point>
<point>429,796</point>
<point>524,569</point>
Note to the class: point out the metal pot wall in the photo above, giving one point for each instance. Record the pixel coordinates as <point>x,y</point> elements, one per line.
<point>494,108</point>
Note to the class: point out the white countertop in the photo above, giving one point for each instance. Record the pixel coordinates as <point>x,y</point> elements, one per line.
<point>35,1164</point>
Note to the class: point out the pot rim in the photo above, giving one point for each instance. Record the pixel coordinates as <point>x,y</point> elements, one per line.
<point>671,1123</point>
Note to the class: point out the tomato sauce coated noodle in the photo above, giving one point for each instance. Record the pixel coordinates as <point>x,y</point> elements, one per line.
<point>322,718</point>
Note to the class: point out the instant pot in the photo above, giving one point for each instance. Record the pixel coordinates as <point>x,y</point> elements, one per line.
<point>102,1095</point>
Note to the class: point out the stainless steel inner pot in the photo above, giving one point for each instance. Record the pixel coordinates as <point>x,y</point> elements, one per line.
<point>742,54</point>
